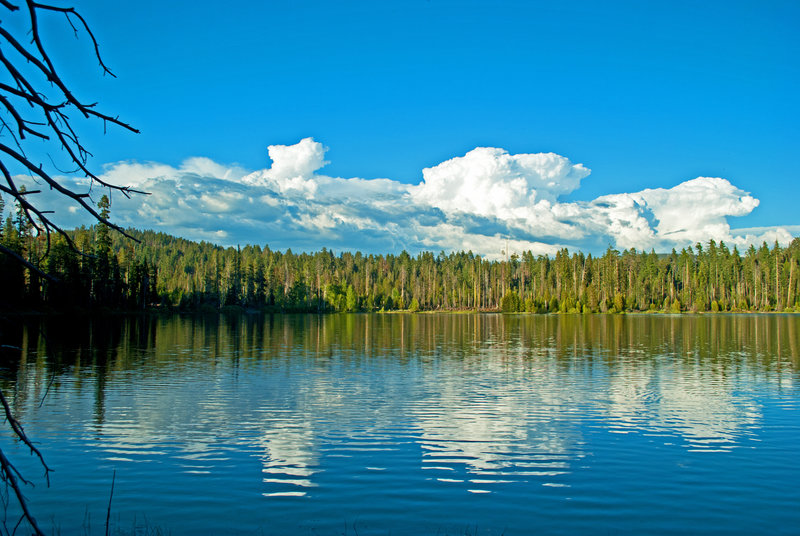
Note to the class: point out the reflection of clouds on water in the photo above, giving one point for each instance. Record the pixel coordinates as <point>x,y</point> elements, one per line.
<point>290,427</point>
<point>474,402</point>
<point>499,432</point>
<point>289,455</point>
<point>706,415</point>
<point>142,422</point>
<point>476,433</point>
<point>703,409</point>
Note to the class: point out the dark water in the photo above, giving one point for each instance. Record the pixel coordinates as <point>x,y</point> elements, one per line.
<point>412,424</point>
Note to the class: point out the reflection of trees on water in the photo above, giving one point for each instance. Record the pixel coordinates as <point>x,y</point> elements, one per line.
<point>681,375</point>
<point>492,394</point>
<point>766,342</point>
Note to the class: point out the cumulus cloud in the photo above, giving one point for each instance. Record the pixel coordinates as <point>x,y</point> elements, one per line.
<point>490,182</point>
<point>299,160</point>
<point>690,212</point>
<point>483,201</point>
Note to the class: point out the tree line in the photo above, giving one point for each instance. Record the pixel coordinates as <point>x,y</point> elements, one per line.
<point>110,271</point>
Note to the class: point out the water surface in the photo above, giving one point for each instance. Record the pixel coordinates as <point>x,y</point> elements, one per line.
<point>412,424</point>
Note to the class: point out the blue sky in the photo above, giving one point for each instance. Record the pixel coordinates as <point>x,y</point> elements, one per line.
<point>647,95</point>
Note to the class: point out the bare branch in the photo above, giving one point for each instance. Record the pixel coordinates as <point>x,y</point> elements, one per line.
<point>28,207</point>
<point>10,474</point>
<point>14,255</point>
<point>35,107</point>
<point>70,11</point>
<point>46,68</point>
<point>110,496</point>
<point>20,433</point>
<point>32,99</point>
<point>49,121</point>
<point>81,199</point>
<point>9,5</point>
<point>22,125</point>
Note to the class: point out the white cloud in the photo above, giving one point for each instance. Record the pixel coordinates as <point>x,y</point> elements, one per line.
<point>478,202</point>
<point>293,167</point>
<point>205,167</point>
<point>490,182</point>
<point>299,160</point>
<point>690,212</point>
<point>134,174</point>
<point>444,235</point>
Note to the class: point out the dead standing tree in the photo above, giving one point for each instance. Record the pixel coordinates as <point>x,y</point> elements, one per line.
<point>38,111</point>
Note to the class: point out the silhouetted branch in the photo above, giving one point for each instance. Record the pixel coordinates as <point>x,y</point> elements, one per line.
<point>35,104</point>
<point>11,475</point>
<point>110,496</point>
<point>36,110</point>
<point>14,255</point>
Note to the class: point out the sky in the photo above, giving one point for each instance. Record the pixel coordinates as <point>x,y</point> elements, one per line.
<point>432,125</point>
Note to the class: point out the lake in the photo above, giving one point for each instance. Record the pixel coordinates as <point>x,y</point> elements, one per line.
<point>361,424</point>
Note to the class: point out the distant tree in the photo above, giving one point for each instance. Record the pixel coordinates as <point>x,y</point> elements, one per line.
<point>619,303</point>
<point>352,299</point>
<point>510,302</point>
<point>397,299</point>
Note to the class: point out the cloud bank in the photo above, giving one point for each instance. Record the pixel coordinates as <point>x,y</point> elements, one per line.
<point>478,202</point>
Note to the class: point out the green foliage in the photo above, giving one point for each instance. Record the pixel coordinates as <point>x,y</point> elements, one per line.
<point>510,303</point>
<point>103,239</point>
<point>397,300</point>
<point>619,303</point>
<point>352,301</point>
<point>164,271</point>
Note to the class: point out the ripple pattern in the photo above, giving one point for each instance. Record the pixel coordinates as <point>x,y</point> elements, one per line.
<point>421,424</point>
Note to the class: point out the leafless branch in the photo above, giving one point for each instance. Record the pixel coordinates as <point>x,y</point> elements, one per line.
<point>37,109</point>
<point>71,12</point>
<point>16,256</point>
<point>10,475</point>
<point>20,433</point>
<point>110,496</point>
<point>35,104</point>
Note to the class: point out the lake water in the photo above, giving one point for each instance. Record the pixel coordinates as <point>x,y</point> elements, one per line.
<point>411,424</point>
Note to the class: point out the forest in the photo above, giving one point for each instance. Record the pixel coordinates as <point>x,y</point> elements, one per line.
<point>105,271</point>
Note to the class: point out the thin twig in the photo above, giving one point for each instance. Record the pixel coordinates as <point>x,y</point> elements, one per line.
<point>49,384</point>
<point>110,496</point>
<point>26,264</point>
<point>10,475</point>
<point>20,433</point>
<point>37,103</point>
